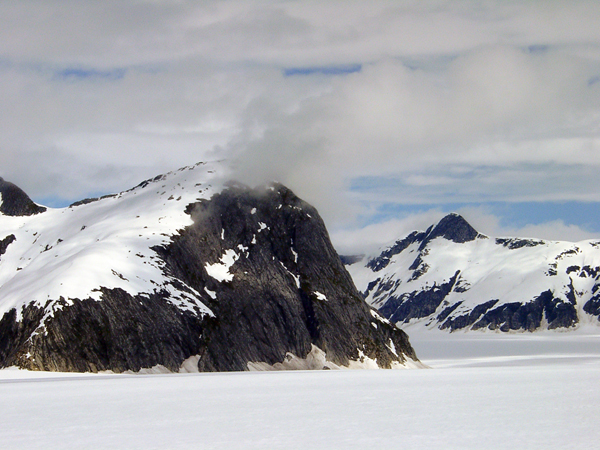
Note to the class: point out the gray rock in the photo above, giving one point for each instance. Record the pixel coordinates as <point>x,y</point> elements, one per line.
<point>15,202</point>
<point>288,291</point>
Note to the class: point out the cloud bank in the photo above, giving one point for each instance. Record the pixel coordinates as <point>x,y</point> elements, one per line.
<point>361,107</point>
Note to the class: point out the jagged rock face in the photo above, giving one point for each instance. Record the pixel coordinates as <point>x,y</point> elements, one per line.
<point>452,277</point>
<point>250,278</point>
<point>287,288</point>
<point>15,202</point>
<point>119,333</point>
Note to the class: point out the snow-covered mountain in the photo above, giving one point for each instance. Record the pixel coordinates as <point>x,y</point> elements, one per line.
<point>452,277</point>
<point>186,271</point>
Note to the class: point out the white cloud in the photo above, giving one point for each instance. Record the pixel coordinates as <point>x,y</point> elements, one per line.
<point>373,238</point>
<point>497,124</point>
<point>130,32</point>
<point>455,102</point>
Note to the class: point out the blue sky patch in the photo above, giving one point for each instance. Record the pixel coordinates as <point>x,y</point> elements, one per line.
<point>323,70</point>
<point>78,73</point>
<point>537,48</point>
<point>586,215</point>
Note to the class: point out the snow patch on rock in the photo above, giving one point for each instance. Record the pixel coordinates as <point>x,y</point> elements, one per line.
<point>320,296</point>
<point>220,271</point>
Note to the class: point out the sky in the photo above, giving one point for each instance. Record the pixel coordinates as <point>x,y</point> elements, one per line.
<point>385,115</point>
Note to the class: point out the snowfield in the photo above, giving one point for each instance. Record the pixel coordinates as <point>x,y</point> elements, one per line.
<point>70,252</point>
<point>486,390</point>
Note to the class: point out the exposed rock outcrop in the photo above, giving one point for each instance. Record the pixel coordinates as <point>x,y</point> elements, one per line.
<point>250,281</point>
<point>15,202</point>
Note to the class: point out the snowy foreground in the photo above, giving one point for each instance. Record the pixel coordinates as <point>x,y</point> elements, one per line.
<point>486,391</point>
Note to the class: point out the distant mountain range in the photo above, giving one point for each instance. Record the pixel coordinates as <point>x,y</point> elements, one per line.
<point>451,277</point>
<point>184,272</point>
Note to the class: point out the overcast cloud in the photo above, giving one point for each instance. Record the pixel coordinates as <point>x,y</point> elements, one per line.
<point>384,114</point>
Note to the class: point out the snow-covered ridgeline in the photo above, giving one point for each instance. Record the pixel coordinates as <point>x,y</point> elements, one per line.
<point>499,271</point>
<point>492,270</point>
<point>71,252</point>
<point>188,264</point>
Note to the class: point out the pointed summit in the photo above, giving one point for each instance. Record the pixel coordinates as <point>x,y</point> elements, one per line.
<point>455,228</point>
<point>15,202</point>
<point>186,271</point>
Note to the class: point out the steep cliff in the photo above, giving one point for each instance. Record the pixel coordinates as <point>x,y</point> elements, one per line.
<point>185,271</point>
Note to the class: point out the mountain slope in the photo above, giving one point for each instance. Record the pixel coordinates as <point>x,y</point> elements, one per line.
<point>184,271</point>
<point>452,277</point>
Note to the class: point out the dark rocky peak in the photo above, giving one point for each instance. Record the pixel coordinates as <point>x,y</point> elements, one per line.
<point>452,227</point>
<point>15,202</point>
<point>252,279</point>
<point>286,290</point>
<point>455,228</point>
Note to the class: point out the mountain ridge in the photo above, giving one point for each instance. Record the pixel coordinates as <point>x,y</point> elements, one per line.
<point>186,270</point>
<point>459,279</point>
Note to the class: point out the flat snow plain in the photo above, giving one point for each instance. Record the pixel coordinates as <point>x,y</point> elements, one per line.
<point>485,391</point>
